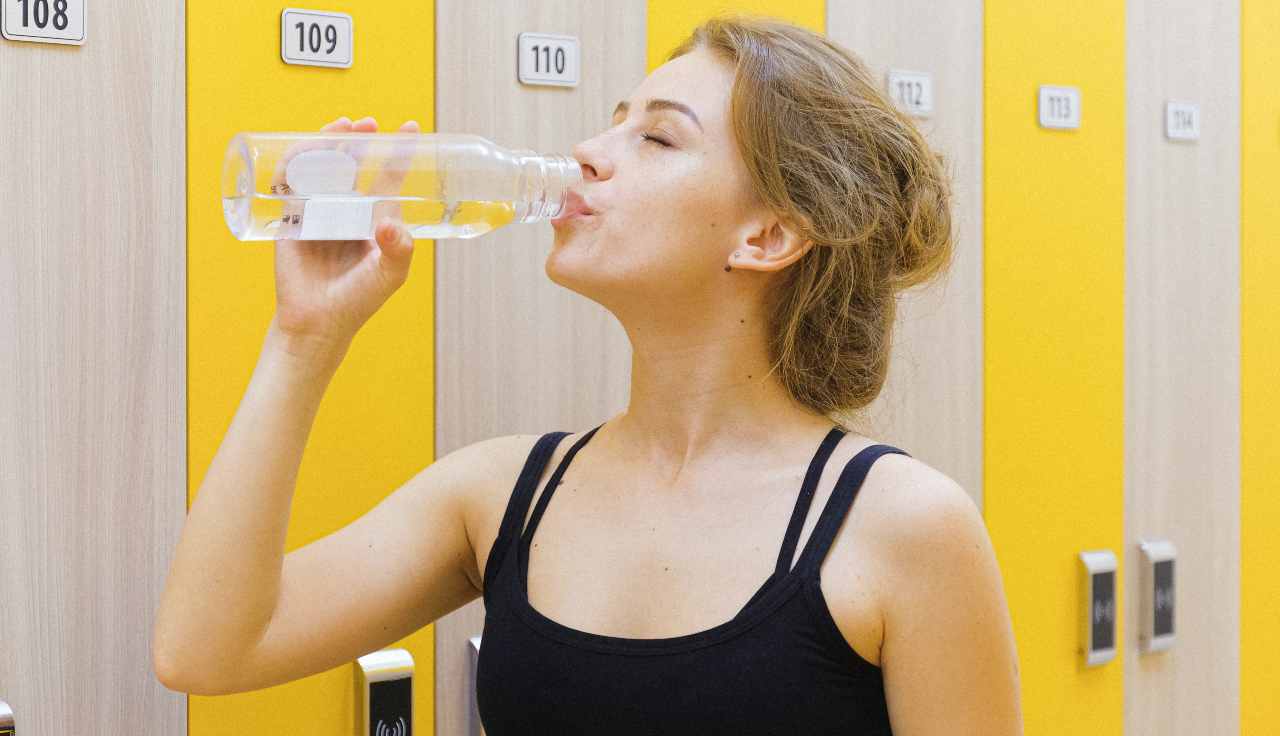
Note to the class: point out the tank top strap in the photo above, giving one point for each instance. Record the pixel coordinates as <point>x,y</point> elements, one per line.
<point>837,507</point>
<point>518,503</point>
<point>552,482</point>
<point>805,500</point>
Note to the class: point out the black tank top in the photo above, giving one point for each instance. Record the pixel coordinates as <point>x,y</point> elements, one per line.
<point>780,666</point>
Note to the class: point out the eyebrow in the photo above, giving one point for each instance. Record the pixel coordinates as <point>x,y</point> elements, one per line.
<point>660,104</point>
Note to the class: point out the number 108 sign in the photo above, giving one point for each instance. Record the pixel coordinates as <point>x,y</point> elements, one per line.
<point>44,21</point>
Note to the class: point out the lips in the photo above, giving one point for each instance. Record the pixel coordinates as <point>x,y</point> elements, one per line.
<point>574,205</point>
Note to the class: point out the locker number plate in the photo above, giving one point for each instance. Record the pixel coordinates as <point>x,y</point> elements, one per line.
<point>1059,107</point>
<point>43,21</point>
<point>316,38</point>
<point>545,58</point>
<point>913,91</point>
<point>1182,121</point>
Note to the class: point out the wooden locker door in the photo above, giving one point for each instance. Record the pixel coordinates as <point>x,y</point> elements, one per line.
<point>515,352</point>
<point>935,376</point>
<point>1182,361</point>
<point>92,368</point>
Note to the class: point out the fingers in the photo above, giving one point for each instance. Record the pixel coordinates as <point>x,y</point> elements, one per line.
<point>357,148</point>
<point>390,178</point>
<point>397,250</point>
<point>341,125</point>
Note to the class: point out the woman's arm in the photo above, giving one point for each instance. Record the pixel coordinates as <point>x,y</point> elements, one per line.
<point>224,580</point>
<point>949,658</point>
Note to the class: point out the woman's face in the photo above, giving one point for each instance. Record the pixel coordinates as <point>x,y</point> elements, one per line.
<point>671,195</point>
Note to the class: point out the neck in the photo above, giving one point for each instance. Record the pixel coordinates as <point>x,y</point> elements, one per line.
<point>702,393</point>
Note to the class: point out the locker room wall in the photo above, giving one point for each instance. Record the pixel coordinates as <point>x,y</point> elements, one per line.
<point>1182,365</point>
<point>1108,282</point>
<point>1259,356</point>
<point>92,402</point>
<point>375,427</point>
<point>935,374</point>
<point>516,352</point>
<point>1054,278</point>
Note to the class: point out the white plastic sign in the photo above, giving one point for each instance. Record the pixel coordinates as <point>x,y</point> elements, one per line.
<point>913,91</point>
<point>1059,107</point>
<point>1182,121</point>
<point>316,38</point>
<point>43,21</point>
<point>546,58</point>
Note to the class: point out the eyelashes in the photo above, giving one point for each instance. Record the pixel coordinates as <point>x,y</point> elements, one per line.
<point>647,137</point>
<point>659,141</point>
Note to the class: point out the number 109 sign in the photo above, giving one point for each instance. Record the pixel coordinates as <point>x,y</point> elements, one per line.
<point>316,38</point>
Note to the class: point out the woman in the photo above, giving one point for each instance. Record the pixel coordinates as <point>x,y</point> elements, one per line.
<point>748,217</point>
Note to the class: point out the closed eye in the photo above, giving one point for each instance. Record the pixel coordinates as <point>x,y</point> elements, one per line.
<point>659,141</point>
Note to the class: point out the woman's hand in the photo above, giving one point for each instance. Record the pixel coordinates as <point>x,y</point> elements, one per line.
<point>327,289</point>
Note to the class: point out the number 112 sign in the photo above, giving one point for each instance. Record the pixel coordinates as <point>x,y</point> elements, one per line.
<point>44,21</point>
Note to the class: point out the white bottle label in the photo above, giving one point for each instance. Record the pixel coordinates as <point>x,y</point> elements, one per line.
<point>321,171</point>
<point>337,218</point>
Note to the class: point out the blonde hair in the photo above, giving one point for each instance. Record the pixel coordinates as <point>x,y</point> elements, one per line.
<point>834,157</point>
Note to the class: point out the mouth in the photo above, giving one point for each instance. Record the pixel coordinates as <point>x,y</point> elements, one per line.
<point>575,207</point>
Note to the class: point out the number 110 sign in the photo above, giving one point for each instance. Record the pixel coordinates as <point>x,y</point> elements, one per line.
<point>545,58</point>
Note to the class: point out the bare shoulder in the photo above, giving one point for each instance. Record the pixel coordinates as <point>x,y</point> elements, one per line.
<point>910,496</point>
<point>915,513</point>
<point>947,640</point>
<point>493,465</point>
<point>490,464</point>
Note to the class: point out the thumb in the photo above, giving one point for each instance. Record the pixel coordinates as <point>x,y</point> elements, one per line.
<point>396,246</point>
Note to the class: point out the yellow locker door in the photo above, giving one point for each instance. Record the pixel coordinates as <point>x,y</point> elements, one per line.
<point>670,21</point>
<point>1054,351</point>
<point>1259,356</point>
<point>374,429</point>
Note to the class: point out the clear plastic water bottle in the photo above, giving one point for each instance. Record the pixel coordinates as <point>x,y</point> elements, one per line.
<point>338,186</point>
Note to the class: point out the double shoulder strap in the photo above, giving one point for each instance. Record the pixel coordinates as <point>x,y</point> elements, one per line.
<point>847,485</point>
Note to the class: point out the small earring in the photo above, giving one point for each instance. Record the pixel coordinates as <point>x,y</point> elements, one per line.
<point>727,267</point>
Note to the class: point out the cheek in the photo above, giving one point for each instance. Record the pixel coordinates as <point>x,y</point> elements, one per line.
<point>671,226</point>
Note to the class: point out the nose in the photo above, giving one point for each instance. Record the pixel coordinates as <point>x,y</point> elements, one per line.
<point>595,165</point>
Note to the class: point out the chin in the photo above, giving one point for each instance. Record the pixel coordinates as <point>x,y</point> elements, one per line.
<point>571,265</point>
<point>575,263</point>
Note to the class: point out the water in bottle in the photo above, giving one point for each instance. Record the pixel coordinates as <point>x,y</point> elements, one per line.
<point>338,186</point>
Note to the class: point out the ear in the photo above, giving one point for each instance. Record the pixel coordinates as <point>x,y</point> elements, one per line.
<point>768,244</point>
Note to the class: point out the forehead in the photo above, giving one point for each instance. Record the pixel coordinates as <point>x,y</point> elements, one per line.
<point>698,79</point>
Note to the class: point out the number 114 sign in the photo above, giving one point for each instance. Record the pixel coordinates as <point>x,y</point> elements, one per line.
<point>43,21</point>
